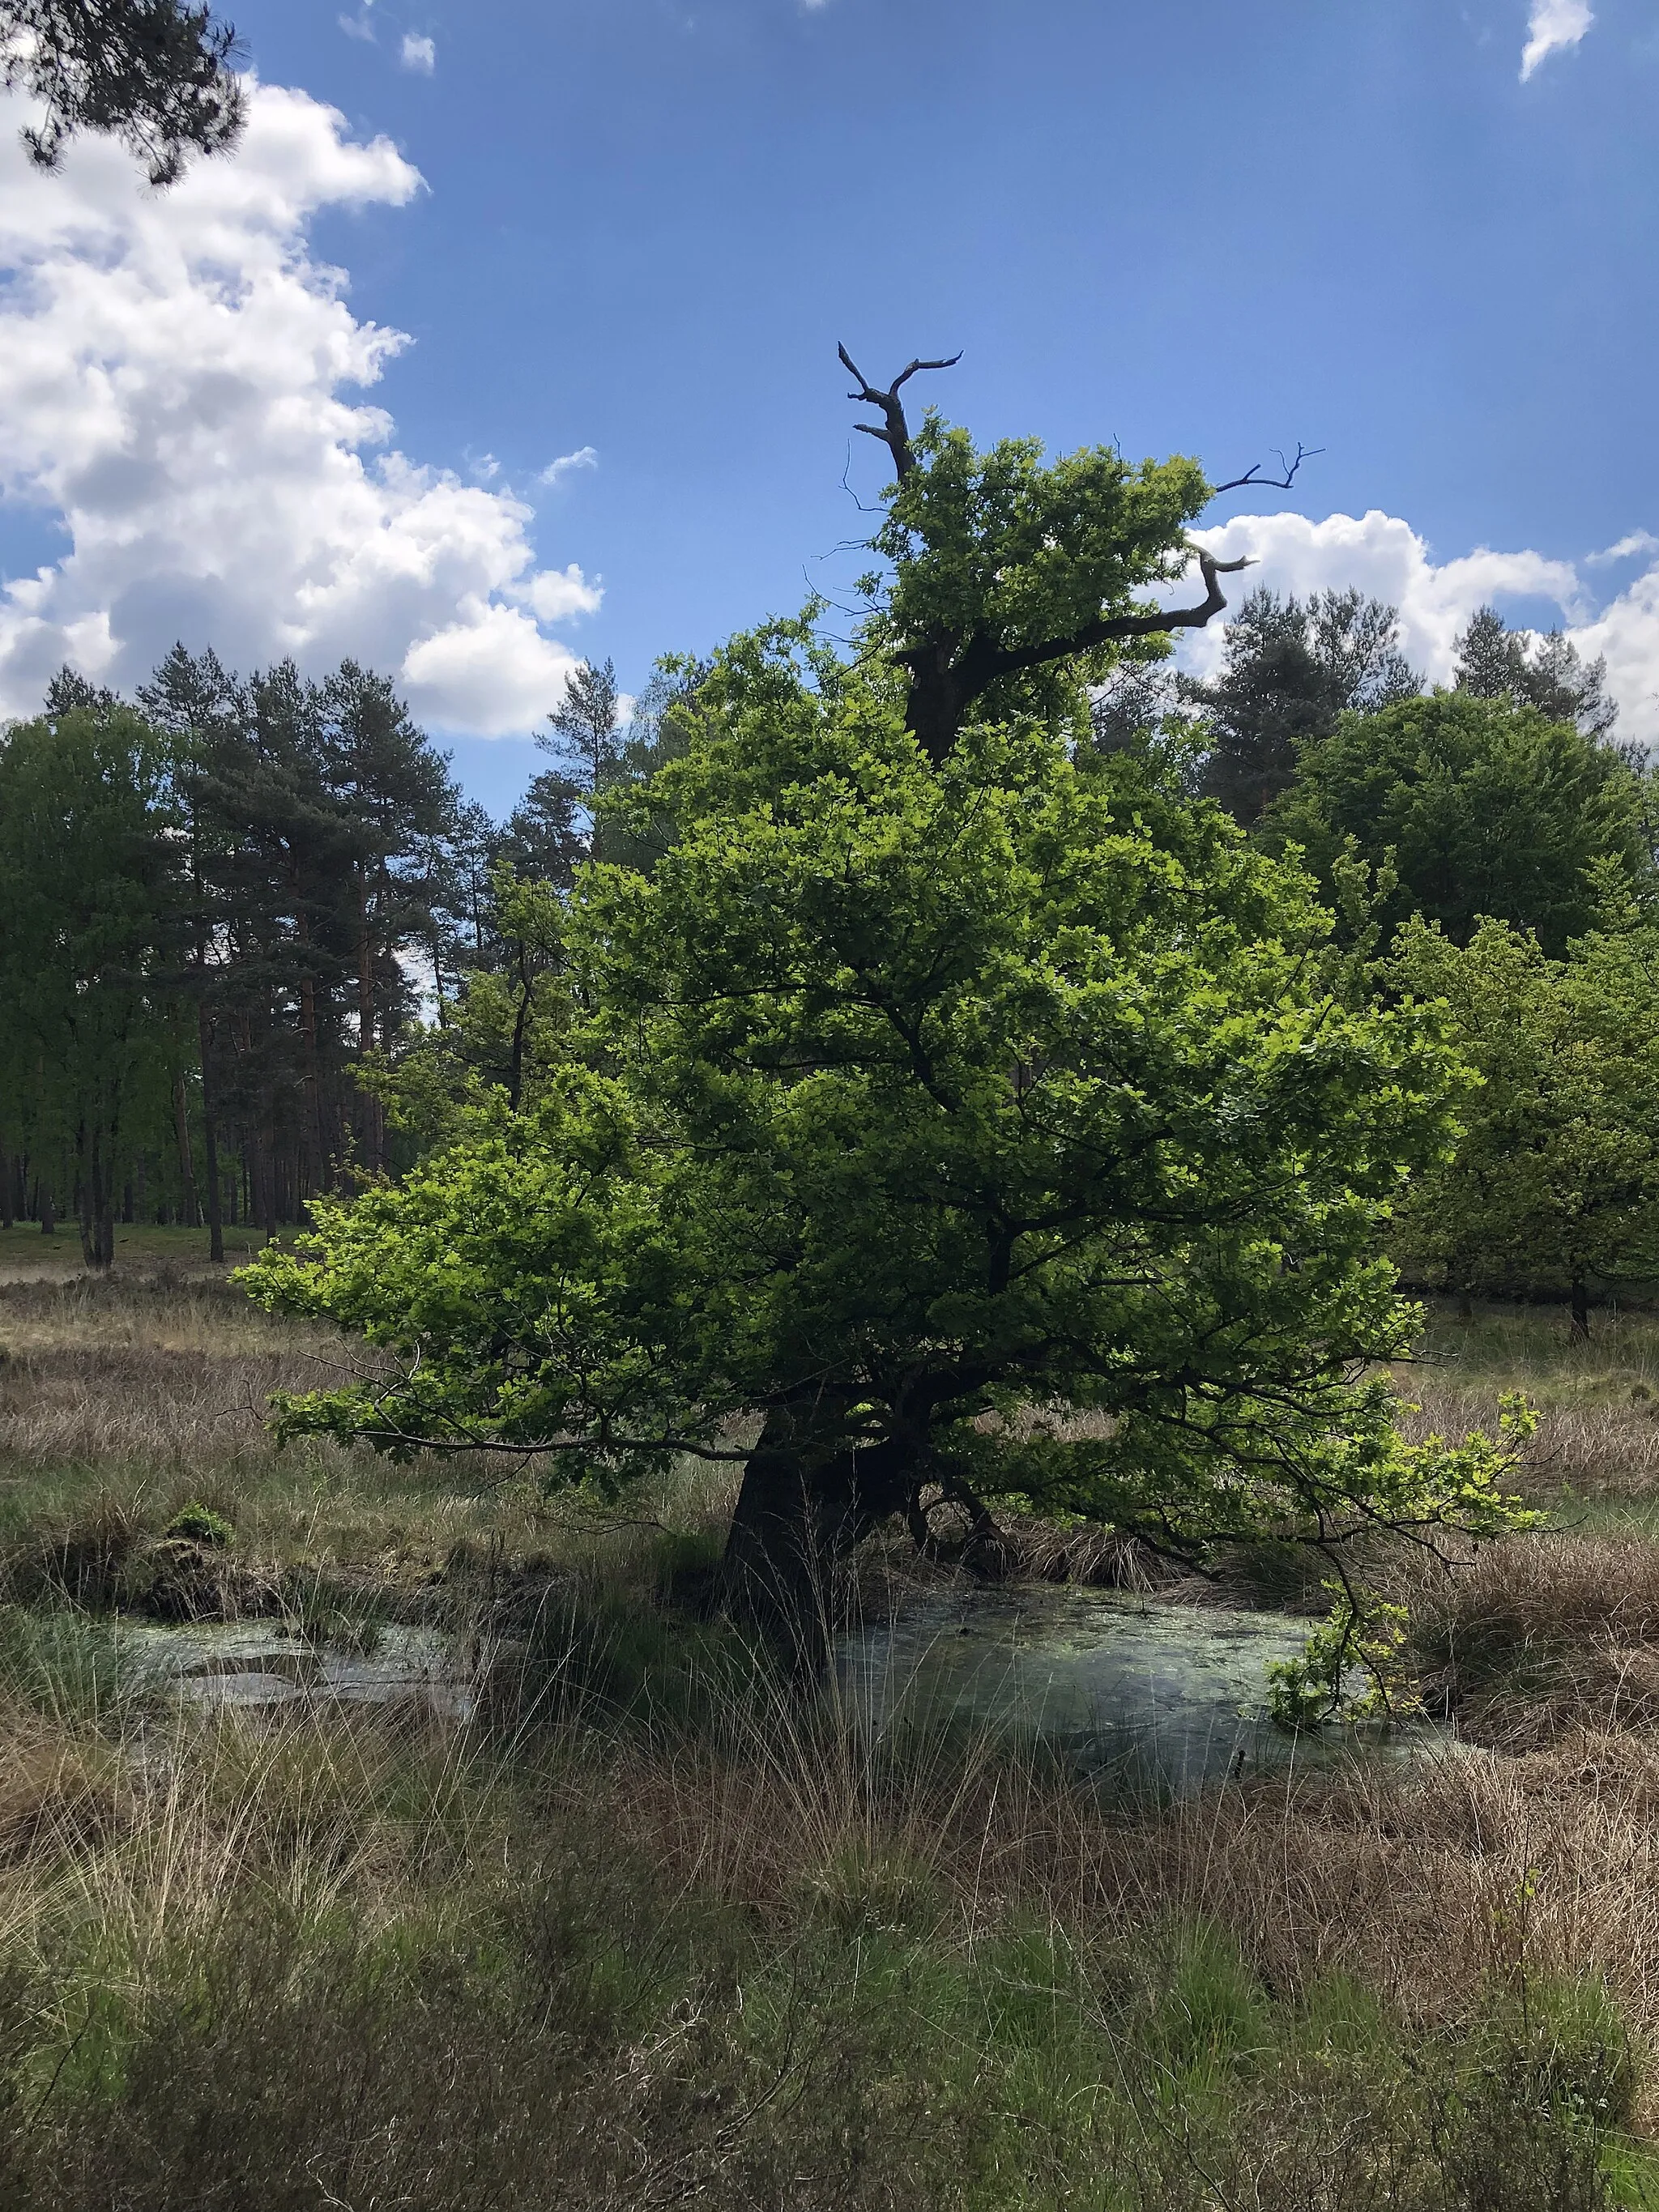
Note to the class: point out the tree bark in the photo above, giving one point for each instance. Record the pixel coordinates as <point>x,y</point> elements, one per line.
<point>806,1502</point>
<point>209,1139</point>
<point>191,1208</point>
<point>96,1199</point>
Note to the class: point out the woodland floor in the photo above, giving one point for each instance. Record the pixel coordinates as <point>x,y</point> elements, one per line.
<point>646,1933</point>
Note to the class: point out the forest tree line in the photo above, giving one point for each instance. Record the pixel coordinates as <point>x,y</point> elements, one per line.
<point>226,900</point>
<point>255,945</point>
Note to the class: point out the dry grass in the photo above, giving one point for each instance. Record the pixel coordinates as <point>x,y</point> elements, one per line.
<point>1598,1433</point>
<point>650,1930</point>
<point>123,1399</point>
<point>1425,1880</point>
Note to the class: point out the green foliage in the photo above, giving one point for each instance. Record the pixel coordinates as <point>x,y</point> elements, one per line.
<point>91,923</point>
<point>1495,662</point>
<point>1318,1684</point>
<point>997,542</point>
<point>1481,806</point>
<point>200,1524</point>
<point>156,74</point>
<point>1289,669</point>
<point>1556,1177</point>
<point>925,1094</point>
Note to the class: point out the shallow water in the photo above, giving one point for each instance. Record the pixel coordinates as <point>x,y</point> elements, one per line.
<point>1164,1697</point>
<point>1148,1696</point>
<point>218,1664</point>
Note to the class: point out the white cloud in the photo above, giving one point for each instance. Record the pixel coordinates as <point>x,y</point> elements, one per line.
<point>1638,541</point>
<point>1554,26</point>
<point>419,53</point>
<point>359,26</point>
<point>585,457</point>
<point>1384,558</point>
<point>172,373</point>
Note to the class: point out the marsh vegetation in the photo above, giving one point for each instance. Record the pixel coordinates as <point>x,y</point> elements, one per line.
<point>649,1929</point>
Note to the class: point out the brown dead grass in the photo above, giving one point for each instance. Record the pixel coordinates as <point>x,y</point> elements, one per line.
<point>1423,1881</point>
<point>156,1371</point>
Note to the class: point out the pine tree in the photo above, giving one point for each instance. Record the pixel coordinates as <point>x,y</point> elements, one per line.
<point>156,74</point>
<point>1548,672</point>
<point>1289,667</point>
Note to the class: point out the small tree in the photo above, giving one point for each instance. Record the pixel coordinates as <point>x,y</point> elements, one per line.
<point>1475,806</point>
<point>944,1081</point>
<point>1556,1176</point>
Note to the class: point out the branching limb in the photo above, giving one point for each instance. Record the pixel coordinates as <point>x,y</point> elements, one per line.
<point>895,433</point>
<point>1253,475</point>
<point>942,689</point>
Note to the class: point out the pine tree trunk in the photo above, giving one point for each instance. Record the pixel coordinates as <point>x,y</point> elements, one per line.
<point>370,1111</point>
<point>192,1209</point>
<point>264,1159</point>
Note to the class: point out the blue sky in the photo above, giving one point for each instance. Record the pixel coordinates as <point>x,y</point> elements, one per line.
<point>639,230</point>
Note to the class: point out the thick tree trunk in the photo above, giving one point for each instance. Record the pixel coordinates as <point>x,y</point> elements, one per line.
<point>803,1508</point>
<point>95,1199</point>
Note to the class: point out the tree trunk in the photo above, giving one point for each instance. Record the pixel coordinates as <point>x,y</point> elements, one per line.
<point>265,1179</point>
<point>192,1209</point>
<point>209,1135</point>
<point>95,1199</point>
<point>369,1117</point>
<point>803,1508</point>
<point>1580,1311</point>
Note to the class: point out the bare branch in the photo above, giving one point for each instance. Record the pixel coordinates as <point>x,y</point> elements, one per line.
<point>1253,475</point>
<point>895,433</point>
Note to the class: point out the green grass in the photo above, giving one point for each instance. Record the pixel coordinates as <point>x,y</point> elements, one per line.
<point>24,1251</point>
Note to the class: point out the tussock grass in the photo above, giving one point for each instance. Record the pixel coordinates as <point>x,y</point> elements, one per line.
<point>754,1958</point>
<point>648,1930</point>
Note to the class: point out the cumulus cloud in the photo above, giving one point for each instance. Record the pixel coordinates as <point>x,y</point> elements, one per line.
<point>419,53</point>
<point>180,385</point>
<point>1384,558</point>
<point>1554,26</point>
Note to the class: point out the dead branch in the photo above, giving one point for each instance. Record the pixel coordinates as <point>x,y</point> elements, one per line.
<point>1253,475</point>
<point>896,435</point>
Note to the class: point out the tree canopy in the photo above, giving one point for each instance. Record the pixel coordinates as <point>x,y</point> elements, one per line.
<point>1289,667</point>
<point>1548,672</point>
<point>1474,806</point>
<point>92,904</point>
<point>1556,1178</point>
<point>951,1113</point>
